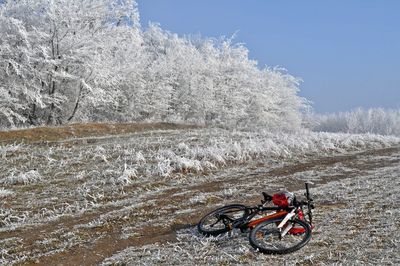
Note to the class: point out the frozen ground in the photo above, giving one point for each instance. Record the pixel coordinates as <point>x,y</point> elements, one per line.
<point>357,223</point>
<point>134,198</point>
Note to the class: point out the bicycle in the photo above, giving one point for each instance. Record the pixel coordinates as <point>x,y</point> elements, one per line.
<point>286,230</point>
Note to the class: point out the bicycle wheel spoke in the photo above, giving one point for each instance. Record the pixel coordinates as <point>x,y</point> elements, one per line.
<point>268,238</point>
<point>221,220</point>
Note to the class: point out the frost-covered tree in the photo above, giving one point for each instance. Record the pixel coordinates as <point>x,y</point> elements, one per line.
<point>214,82</point>
<point>373,120</point>
<point>20,83</point>
<point>55,53</point>
<point>66,60</point>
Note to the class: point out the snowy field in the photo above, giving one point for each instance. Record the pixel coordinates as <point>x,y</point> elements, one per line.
<point>136,197</point>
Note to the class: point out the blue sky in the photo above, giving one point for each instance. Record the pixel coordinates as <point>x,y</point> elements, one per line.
<point>346,52</point>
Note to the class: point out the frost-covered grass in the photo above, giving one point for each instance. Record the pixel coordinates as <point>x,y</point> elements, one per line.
<point>116,180</point>
<point>88,175</point>
<point>25,178</point>
<point>5,192</point>
<point>356,223</point>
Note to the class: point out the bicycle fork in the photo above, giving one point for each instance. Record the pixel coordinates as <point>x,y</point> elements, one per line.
<point>284,221</point>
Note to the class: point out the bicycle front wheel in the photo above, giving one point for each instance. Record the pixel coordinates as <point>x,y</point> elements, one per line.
<point>267,238</point>
<point>220,220</point>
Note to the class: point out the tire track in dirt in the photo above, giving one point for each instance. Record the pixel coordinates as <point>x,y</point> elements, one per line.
<point>110,242</point>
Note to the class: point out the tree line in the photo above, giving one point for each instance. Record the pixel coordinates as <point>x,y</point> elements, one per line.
<point>67,61</point>
<point>374,120</point>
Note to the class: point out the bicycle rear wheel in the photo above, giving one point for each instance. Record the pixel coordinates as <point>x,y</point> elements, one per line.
<point>266,237</point>
<point>220,220</point>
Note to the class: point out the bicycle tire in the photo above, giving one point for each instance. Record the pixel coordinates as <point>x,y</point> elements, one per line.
<point>265,243</point>
<point>234,211</point>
